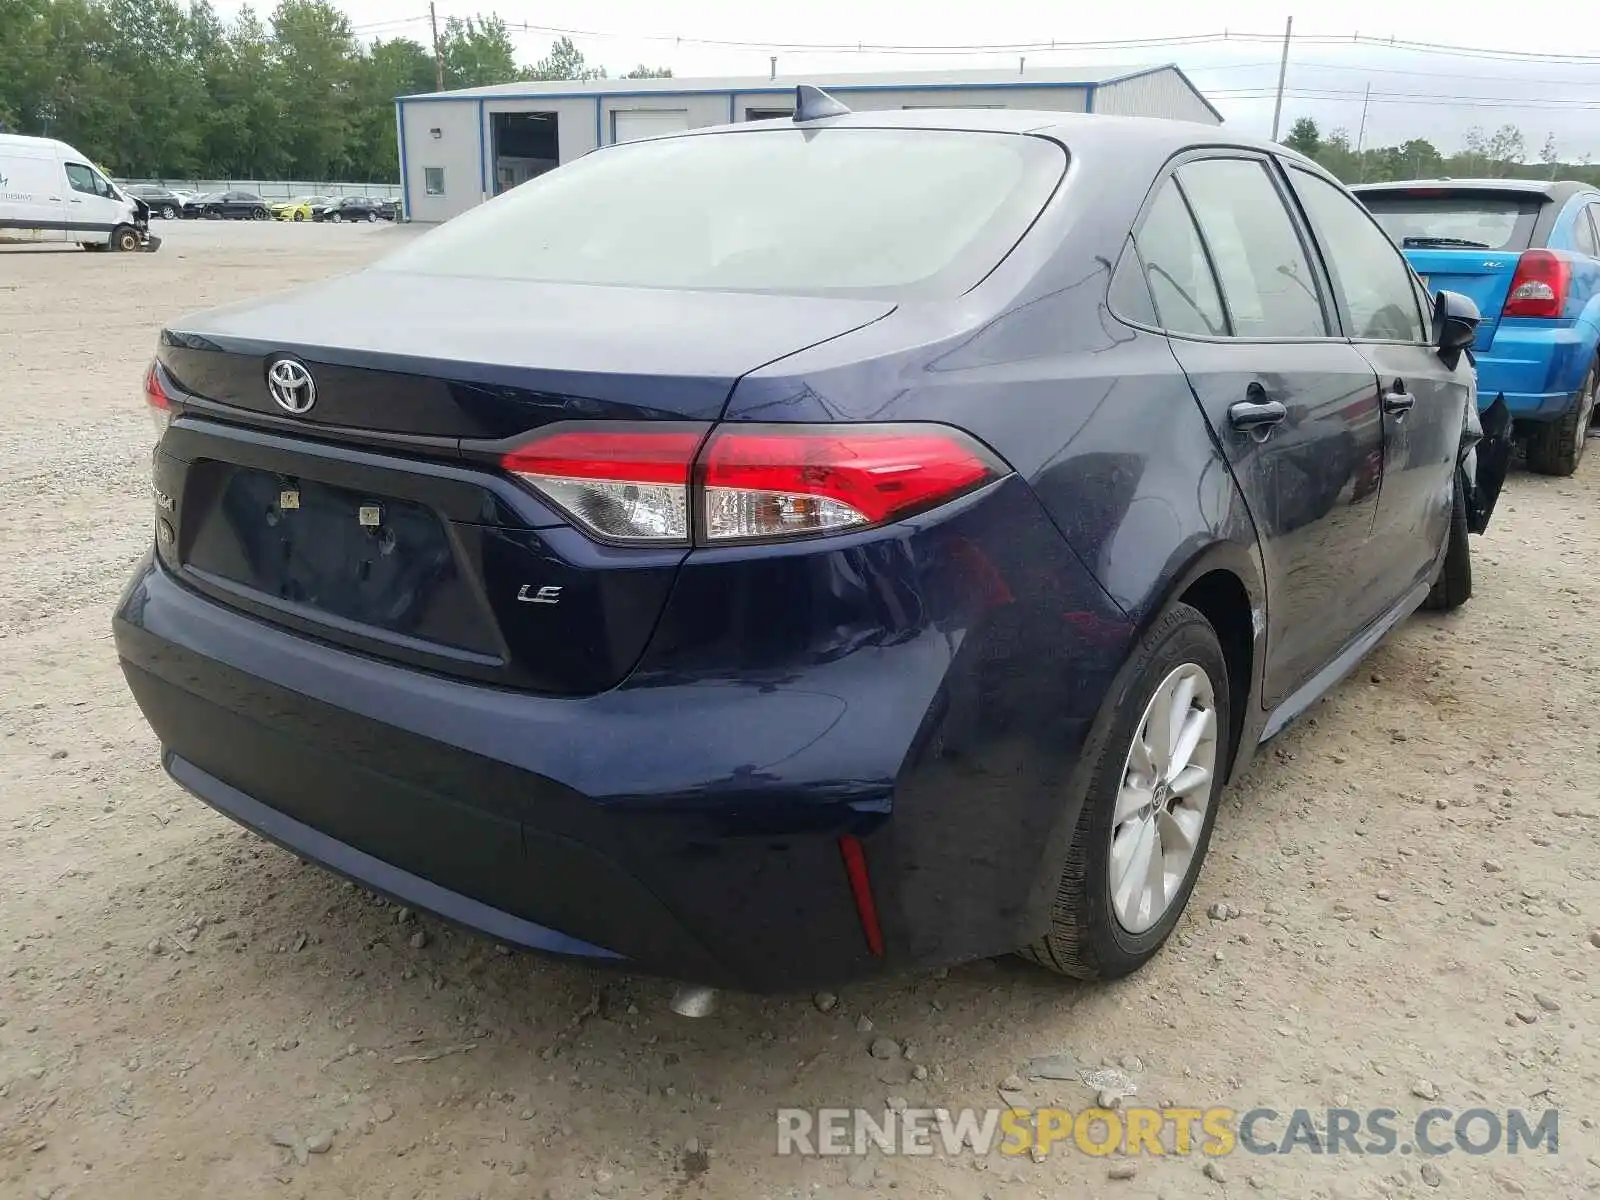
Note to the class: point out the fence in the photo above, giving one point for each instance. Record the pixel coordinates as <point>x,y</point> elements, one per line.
<point>278,189</point>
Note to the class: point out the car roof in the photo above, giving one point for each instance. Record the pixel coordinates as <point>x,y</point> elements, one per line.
<point>1557,191</point>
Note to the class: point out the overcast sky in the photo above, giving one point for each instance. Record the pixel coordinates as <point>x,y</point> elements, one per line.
<point>1415,92</point>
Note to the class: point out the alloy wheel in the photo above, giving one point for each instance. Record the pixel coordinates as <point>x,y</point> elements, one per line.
<point>1161,805</point>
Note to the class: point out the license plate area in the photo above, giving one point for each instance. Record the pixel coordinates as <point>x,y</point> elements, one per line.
<point>366,563</point>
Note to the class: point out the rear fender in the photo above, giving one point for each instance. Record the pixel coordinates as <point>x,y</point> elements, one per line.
<point>1484,458</point>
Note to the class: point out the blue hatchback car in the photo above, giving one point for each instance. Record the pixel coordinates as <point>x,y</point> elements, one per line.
<point>1528,253</point>
<point>786,553</point>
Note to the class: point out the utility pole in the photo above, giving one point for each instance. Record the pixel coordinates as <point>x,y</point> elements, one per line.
<point>1361,137</point>
<point>1283,70</point>
<point>438,56</point>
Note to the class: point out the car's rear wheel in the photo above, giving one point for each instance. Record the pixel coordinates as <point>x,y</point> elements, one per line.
<point>1556,447</point>
<point>1453,586</point>
<point>1149,807</point>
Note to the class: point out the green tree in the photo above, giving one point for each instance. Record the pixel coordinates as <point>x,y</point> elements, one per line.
<point>395,68</point>
<point>314,62</point>
<point>644,72</point>
<point>565,61</point>
<point>477,51</point>
<point>1305,137</point>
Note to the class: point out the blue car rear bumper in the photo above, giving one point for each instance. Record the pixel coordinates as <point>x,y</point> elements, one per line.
<point>1537,365</point>
<point>687,822</point>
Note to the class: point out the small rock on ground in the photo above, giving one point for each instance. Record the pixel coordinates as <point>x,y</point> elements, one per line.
<point>1431,1175</point>
<point>884,1047</point>
<point>1123,1170</point>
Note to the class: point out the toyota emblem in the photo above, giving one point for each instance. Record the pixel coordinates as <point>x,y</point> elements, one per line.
<point>291,386</point>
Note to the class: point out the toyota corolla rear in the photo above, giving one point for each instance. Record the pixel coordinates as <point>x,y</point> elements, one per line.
<point>474,580</point>
<point>1483,239</point>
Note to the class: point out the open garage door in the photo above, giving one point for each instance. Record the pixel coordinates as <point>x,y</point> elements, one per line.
<point>631,124</point>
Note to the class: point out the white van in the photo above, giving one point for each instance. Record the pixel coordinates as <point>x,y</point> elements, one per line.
<point>49,192</point>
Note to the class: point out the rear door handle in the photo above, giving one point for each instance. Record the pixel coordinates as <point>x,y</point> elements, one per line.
<point>1398,402</point>
<point>1256,417</point>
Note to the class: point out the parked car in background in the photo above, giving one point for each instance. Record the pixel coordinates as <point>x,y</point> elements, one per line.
<point>347,208</point>
<point>163,202</point>
<point>229,206</point>
<point>298,210</point>
<point>389,210</point>
<point>1528,252</point>
<point>896,585</point>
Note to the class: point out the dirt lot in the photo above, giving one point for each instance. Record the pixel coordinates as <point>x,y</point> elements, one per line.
<point>186,1011</point>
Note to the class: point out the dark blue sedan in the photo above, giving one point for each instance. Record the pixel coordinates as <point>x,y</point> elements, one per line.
<point>776,555</point>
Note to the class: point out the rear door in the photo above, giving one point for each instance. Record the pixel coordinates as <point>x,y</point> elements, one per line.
<point>32,198</point>
<point>1464,239</point>
<point>1292,405</point>
<point>1423,401</point>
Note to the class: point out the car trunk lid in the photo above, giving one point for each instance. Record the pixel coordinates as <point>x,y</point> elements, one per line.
<point>439,357</point>
<point>377,520</point>
<point>1483,276</point>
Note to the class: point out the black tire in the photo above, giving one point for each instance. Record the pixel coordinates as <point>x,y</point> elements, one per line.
<point>124,239</point>
<point>1086,939</point>
<point>259,214</point>
<point>299,216</point>
<point>1453,587</point>
<point>371,217</point>
<point>1556,447</point>
<point>337,218</point>
<point>168,213</point>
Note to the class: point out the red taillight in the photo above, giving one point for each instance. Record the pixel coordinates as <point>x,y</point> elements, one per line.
<point>627,485</point>
<point>160,404</point>
<point>633,484</point>
<point>775,481</point>
<point>1539,287</point>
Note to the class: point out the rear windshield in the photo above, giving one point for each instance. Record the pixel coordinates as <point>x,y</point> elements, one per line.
<point>1461,220</point>
<point>841,211</point>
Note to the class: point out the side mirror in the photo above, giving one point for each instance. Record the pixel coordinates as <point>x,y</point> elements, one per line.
<point>1455,326</point>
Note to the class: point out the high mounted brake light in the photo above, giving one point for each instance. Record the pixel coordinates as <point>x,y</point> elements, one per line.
<point>748,482</point>
<point>1539,287</point>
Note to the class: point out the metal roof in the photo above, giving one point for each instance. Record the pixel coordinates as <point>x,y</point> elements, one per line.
<point>861,81</point>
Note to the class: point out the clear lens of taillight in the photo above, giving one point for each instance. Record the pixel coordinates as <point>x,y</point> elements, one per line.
<point>158,402</point>
<point>625,485</point>
<point>1539,287</point>
<point>777,481</point>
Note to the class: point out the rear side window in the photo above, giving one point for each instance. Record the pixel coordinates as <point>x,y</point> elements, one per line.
<point>1267,281</point>
<point>1181,283</point>
<point>803,211</point>
<point>1368,272</point>
<point>1583,234</point>
<point>1440,218</point>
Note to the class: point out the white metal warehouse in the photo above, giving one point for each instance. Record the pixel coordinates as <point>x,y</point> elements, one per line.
<point>459,148</point>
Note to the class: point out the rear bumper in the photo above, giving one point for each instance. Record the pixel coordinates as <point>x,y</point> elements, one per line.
<point>1537,365</point>
<point>685,824</point>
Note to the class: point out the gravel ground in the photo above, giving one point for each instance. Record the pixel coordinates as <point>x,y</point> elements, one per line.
<point>1408,884</point>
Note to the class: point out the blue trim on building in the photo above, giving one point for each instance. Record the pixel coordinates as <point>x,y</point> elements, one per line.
<point>483,159</point>
<point>405,178</point>
<point>599,139</point>
<point>731,117</point>
<point>446,97</point>
<point>1088,97</point>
